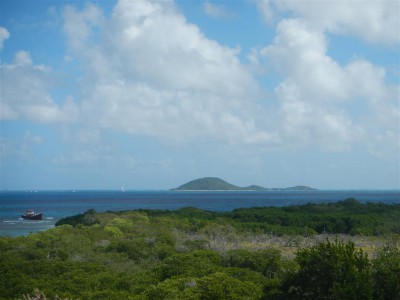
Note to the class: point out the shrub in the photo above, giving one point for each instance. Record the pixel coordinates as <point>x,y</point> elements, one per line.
<point>386,273</point>
<point>330,270</point>
<point>196,263</point>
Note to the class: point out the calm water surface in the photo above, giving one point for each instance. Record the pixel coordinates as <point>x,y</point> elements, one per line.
<point>58,204</point>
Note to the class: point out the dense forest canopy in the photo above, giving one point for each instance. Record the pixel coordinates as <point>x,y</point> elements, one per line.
<point>343,250</point>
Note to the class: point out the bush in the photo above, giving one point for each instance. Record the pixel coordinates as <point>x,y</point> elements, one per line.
<point>221,286</point>
<point>330,270</point>
<point>268,262</point>
<point>196,263</point>
<point>386,274</point>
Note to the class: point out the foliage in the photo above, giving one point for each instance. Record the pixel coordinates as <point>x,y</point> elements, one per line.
<point>196,263</point>
<point>344,217</point>
<point>207,183</point>
<point>268,262</point>
<point>87,218</point>
<point>217,184</point>
<point>347,217</point>
<point>195,254</point>
<point>331,270</point>
<point>38,295</point>
<point>386,273</point>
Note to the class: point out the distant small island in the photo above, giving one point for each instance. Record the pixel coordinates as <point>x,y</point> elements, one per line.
<point>217,184</point>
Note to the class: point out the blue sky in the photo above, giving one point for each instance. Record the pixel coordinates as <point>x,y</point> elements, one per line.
<point>149,95</point>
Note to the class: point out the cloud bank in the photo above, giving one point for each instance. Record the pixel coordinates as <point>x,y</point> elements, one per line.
<point>25,93</point>
<point>153,73</point>
<point>373,21</point>
<point>146,70</point>
<point>4,34</point>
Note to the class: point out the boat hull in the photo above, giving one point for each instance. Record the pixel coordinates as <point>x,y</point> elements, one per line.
<point>38,216</point>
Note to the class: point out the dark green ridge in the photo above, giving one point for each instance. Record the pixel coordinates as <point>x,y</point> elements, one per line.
<point>207,184</point>
<point>217,184</point>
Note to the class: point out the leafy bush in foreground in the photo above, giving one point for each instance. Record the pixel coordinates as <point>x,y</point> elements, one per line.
<point>330,270</point>
<point>386,273</point>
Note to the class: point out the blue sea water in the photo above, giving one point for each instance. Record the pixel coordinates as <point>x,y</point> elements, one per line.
<point>59,204</point>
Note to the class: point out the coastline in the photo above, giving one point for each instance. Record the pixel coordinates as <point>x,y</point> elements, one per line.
<point>59,204</point>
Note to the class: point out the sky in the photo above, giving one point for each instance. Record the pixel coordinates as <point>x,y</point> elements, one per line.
<point>146,94</point>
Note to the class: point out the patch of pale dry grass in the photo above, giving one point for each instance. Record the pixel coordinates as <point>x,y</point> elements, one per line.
<point>225,239</point>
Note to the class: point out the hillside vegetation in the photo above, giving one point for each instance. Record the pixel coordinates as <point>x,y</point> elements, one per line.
<point>343,250</point>
<point>208,183</point>
<point>217,184</point>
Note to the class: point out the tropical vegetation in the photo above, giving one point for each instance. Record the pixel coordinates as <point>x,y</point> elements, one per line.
<point>218,184</point>
<point>344,250</point>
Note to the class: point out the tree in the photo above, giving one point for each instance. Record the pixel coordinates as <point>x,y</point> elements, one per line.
<point>220,286</point>
<point>196,263</point>
<point>268,261</point>
<point>386,273</point>
<point>330,270</point>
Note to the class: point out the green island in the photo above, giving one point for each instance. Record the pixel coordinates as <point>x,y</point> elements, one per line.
<point>218,184</point>
<point>342,250</point>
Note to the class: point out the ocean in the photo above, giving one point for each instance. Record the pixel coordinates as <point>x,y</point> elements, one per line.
<point>59,204</point>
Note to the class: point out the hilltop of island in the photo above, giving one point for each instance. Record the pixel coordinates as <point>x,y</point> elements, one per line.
<point>217,184</point>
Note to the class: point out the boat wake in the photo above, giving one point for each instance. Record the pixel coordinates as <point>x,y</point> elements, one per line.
<point>22,221</point>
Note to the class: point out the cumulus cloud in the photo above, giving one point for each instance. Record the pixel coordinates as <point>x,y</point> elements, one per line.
<point>157,44</point>
<point>146,70</point>
<point>299,52</point>
<point>372,21</point>
<point>33,139</point>
<point>24,92</point>
<point>216,11</point>
<point>267,10</point>
<point>80,24</point>
<point>20,148</point>
<point>23,58</point>
<point>154,73</point>
<point>4,34</point>
<point>308,123</point>
<point>320,99</point>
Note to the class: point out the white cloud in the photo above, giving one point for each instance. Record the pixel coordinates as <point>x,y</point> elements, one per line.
<point>23,58</point>
<point>159,46</point>
<point>317,94</point>
<point>24,92</point>
<point>33,139</point>
<point>88,136</point>
<point>299,52</point>
<point>216,11</point>
<point>105,158</point>
<point>320,100</point>
<point>156,74</point>
<point>20,148</point>
<point>4,34</point>
<point>79,25</point>
<point>306,123</point>
<point>148,71</point>
<point>267,10</point>
<point>372,21</point>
